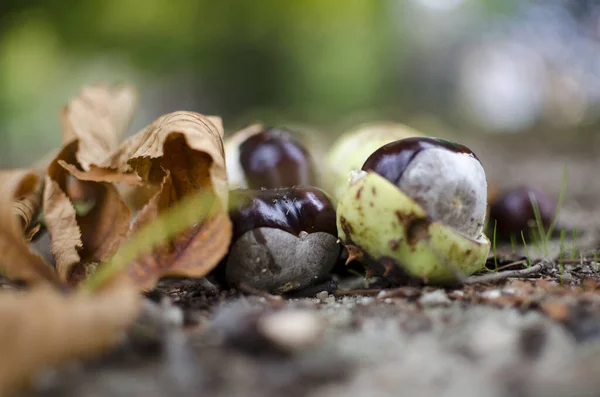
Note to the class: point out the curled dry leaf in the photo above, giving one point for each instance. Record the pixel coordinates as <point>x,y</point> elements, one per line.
<point>92,124</point>
<point>98,118</point>
<point>70,326</point>
<point>20,192</point>
<point>181,154</point>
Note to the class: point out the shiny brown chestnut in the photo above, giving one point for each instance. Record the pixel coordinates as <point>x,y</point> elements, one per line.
<point>283,239</point>
<point>267,158</point>
<point>391,160</point>
<point>444,177</point>
<point>512,212</point>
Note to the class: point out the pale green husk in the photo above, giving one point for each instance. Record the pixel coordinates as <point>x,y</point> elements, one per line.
<point>350,151</point>
<point>375,216</point>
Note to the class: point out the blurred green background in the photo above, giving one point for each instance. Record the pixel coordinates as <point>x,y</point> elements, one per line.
<point>483,66</point>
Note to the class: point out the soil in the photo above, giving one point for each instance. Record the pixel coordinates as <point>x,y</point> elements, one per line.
<point>527,329</point>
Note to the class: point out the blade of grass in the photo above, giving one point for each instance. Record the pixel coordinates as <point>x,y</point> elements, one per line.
<point>526,249</point>
<point>539,223</point>
<point>513,243</point>
<point>561,249</point>
<point>573,245</point>
<point>559,203</point>
<point>494,245</point>
<point>561,254</point>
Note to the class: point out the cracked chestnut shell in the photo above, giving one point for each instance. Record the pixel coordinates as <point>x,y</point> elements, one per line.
<point>349,152</point>
<point>268,158</point>
<point>420,204</point>
<point>512,212</point>
<point>283,239</point>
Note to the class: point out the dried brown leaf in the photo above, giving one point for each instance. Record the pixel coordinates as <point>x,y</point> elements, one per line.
<point>61,216</point>
<point>43,328</point>
<point>19,203</point>
<point>181,154</point>
<point>187,144</point>
<point>192,253</point>
<point>93,123</point>
<point>98,118</point>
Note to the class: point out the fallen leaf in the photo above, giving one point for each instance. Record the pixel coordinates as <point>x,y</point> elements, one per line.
<point>181,154</point>
<point>192,253</point>
<point>98,118</point>
<point>92,124</point>
<point>43,327</point>
<point>20,192</point>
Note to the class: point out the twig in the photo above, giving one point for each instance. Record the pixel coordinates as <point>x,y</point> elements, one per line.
<point>348,292</point>
<point>495,277</point>
<point>512,264</point>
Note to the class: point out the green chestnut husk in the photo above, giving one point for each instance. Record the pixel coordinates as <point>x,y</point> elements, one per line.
<point>351,149</point>
<point>377,219</point>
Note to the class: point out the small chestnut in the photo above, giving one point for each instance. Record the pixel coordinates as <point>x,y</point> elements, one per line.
<point>283,239</point>
<point>513,212</point>
<point>267,158</point>
<point>418,203</point>
<point>351,149</point>
<point>443,177</point>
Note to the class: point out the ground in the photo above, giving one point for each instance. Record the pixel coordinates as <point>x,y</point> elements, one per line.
<point>536,332</point>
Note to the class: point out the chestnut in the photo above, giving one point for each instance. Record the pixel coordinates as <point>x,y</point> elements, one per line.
<point>418,203</point>
<point>268,158</point>
<point>513,212</point>
<point>283,239</point>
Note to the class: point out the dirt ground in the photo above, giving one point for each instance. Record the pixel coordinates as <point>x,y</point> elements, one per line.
<point>534,333</point>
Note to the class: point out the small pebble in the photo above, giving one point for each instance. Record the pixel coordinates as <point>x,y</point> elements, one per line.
<point>567,277</point>
<point>322,296</point>
<point>436,297</point>
<point>491,294</point>
<point>291,329</point>
<point>388,300</point>
<point>330,299</point>
<point>367,300</point>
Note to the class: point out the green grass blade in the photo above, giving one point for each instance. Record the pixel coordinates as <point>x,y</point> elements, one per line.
<point>559,203</point>
<point>526,249</point>
<point>513,243</point>
<point>573,245</point>
<point>494,245</point>
<point>539,223</point>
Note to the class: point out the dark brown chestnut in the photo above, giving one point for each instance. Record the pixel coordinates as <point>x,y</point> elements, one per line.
<point>443,177</point>
<point>283,239</point>
<point>391,160</point>
<point>512,211</point>
<point>295,210</point>
<point>268,158</point>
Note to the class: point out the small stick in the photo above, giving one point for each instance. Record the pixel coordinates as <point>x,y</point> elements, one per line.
<point>347,292</point>
<point>495,277</point>
<point>512,264</point>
